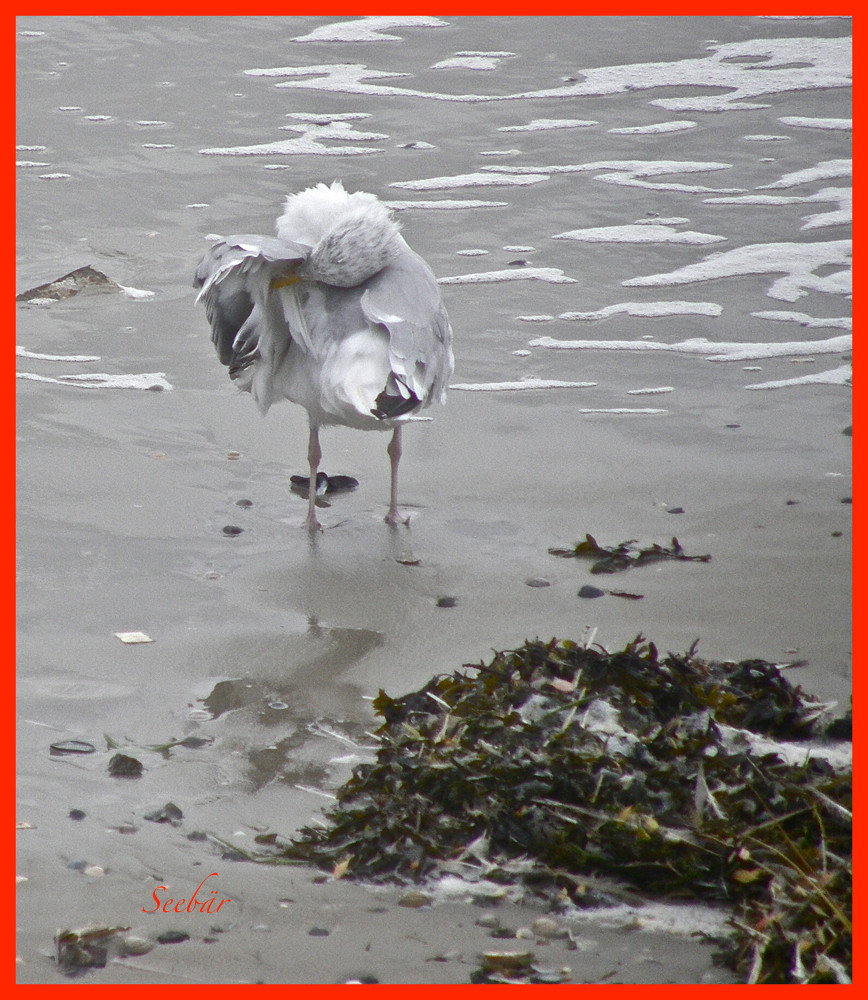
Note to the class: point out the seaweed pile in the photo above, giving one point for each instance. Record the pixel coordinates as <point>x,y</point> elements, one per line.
<point>625,555</point>
<point>557,761</point>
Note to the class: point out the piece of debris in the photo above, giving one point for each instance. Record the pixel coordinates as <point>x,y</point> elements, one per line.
<point>169,813</point>
<point>86,948</point>
<point>71,746</point>
<point>558,761</point>
<point>173,937</point>
<point>324,484</point>
<point>85,278</point>
<point>122,766</point>
<point>613,559</point>
<point>131,638</point>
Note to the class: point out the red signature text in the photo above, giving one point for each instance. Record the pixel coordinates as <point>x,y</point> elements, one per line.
<point>203,903</point>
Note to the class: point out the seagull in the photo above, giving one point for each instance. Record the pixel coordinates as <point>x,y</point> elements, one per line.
<point>335,313</point>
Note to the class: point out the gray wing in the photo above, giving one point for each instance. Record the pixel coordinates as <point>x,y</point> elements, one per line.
<point>233,278</point>
<point>405,298</point>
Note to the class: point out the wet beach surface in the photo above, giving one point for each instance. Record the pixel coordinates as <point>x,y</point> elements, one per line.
<point>595,192</point>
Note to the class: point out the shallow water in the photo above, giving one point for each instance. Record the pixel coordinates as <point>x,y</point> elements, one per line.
<point>677,190</point>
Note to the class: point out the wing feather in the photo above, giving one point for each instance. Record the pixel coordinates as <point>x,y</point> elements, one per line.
<point>405,298</point>
<point>231,277</point>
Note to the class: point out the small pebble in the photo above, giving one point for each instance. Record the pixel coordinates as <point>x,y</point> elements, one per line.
<point>537,581</point>
<point>675,510</point>
<point>318,932</point>
<point>837,534</point>
<point>506,961</point>
<point>243,503</point>
<point>233,456</point>
<point>589,592</point>
<point>846,499</point>
<point>447,602</point>
<point>415,898</point>
<point>488,920</point>
<point>195,742</point>
<point>122,766</point>
<point>77,814</point>
<point>94,871</point>
<point>169,813</point>
<point>232,529</point>
<point>132,944</point>
<point>173,937</point>
<point>545,927</point>
<point>548,976</point>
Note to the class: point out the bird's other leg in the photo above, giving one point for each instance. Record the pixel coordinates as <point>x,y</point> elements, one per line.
<point>394,452</point>
<point>314,454</point>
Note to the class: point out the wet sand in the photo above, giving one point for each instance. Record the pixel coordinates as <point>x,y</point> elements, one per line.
<point>123,496</point>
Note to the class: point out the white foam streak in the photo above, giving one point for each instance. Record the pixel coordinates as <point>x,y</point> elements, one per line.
<point>646,309</point>
<point>831,124</point>
<point>639,233</point>
<point>311,141</point>
<point>478,61</point>
<point>835,376</point>
<point>714,350</point>
<point>788,64</point>
<point>656,129</point>
<point>803,319</point>
<point>841,216</point>
<point>823,171</point>
<point>447,204</point>
<point>554,275</point>
<point>632,173</point>
<point>528,383</point>
<point>798,262</point>
<point>20,352</point>
<point>493,179</point>
<point>368,29</point>
<point>547,124</point>
<point>149,380</point>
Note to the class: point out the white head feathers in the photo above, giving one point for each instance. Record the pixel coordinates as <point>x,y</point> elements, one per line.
<point>352,236</point>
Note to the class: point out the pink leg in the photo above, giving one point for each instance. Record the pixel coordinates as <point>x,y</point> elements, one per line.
<point>394,453</point>
<point>314,454</point>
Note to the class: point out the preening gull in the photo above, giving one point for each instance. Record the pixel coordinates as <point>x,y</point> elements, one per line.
<point>335,313</point>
